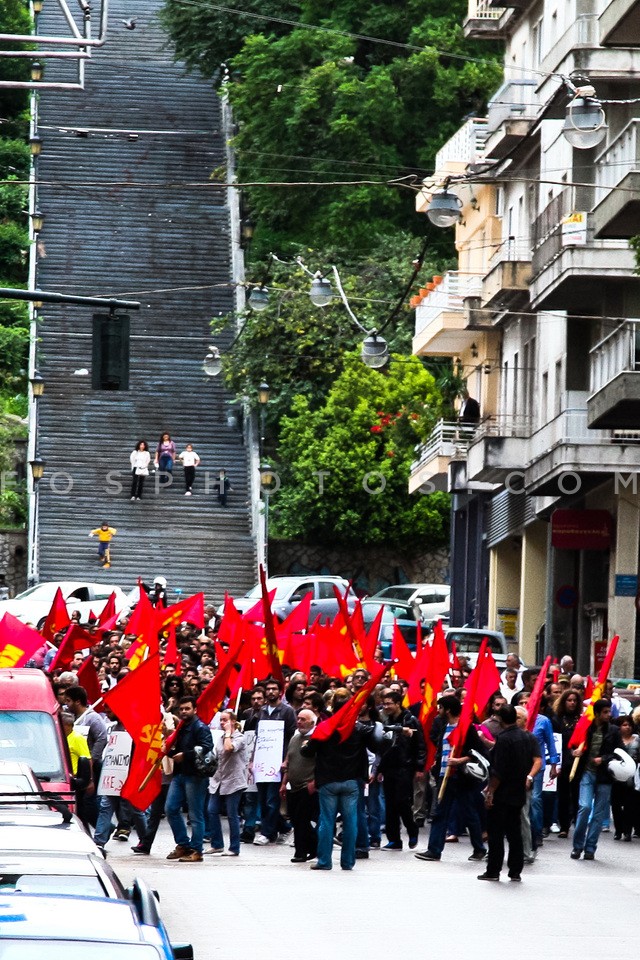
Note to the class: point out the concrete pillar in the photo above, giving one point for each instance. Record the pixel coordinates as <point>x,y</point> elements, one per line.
<point>622,610</point>
<point>533,588</point>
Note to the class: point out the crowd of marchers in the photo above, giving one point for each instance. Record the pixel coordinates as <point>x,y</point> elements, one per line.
<point>360,769</point>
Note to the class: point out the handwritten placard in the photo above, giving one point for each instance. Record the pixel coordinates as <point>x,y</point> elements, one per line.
<point>115,764</point>
<point>267,758</point>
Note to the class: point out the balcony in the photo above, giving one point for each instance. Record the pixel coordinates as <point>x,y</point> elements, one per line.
<point>498,448</point>
<point>448,441</point>
<point>570,269</point>
<point>618,181</point>
<point>441,317</point>
<point>484,21</point>
<point>566,457</point>
<point>464,147</point>
<point>507,279</point>
<point>510,116</point>
<point>615,380</point>
<point>620,24</point>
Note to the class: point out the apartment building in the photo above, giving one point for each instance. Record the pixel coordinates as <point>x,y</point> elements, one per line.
<point>541,319</point>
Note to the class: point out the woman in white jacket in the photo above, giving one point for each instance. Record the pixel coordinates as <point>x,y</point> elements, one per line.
<point>230,782</point>
<point>140,458</point>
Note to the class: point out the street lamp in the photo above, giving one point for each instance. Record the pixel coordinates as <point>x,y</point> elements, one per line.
<point>266,479</point>
<point>37,220</point>
<point>259,298</point>
<point>320,293</point>
<point>585,123</point>
<point>37,469</point>
<point>444,209</point>
<point>264,395</point>
<point>374,352</point>
<point>212,363</point>
<point>36,71</point>
<point>37,385</point>
<point>35,145</point>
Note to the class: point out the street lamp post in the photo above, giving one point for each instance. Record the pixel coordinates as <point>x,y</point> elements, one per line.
<point>264,395</point>
<point>266,477</point>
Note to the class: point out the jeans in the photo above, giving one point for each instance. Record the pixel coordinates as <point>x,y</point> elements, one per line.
<point>535,815</point>
<point>598,796</point>
<point>193,791</point>
<point>250,809</point>
<point>362,832</point>
<point>232,801</point>
<point>339,797</point>
<point>468,814</point>
<point>108,806</point>
<point>375,811</point>
<point>271,820</point>
<point>154,816</point>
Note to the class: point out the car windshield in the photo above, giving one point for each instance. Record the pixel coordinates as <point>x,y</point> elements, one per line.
<point>43,591</point>
<point>51,883</point>
<point>391,611</point>
<point>30,736</point>
<point>470,643</point>
<point>282,590</point>
<point>397,593</point>
<point>75,950</point>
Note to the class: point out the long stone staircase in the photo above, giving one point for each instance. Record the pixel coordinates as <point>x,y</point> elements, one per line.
<point>131,212</point>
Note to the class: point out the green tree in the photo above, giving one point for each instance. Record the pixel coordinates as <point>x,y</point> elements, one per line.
<point>362,437</point>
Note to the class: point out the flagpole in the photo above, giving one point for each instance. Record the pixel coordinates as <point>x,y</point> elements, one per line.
<point>238,701</point>
<point>447,774</point>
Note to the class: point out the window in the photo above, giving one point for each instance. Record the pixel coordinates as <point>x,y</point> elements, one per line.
<point>31,736</point>
<point>325,590</point>
<point>558,387</point>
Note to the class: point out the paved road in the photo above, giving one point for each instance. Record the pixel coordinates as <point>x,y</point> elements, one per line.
<point>393,903</point>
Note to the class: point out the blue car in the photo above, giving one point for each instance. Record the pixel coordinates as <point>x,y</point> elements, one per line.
<point>39,926</point>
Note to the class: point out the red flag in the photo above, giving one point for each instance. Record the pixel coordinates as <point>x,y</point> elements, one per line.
<point>171,654</point>
<point>589,687</point>
<point>74,640</point>
<point>189,610</point>
<point>344,720</point>
<point>57,618</point>
<point>108,612</point>
<point>256,613</point>
<point>231,623</point>
<point>533,707</point>
<point>403,662</point>
<point>373,635</point>
<point>437,668</point>
<point>296,622</point>
<point>211,698</point>
<point>481,683</point>
<point>270,639</point>
<point>346,616</point>
<point>136,702</point>
<point>88,678</point>
<point>18,642</point>
<point>579,734</point>
<point>143,625</point>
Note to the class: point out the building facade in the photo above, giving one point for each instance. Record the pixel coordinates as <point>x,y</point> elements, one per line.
<point>540,320</point>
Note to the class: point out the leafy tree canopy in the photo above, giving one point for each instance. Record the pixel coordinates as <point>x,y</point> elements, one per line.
<point>322,106</point>
<point>362,439</point>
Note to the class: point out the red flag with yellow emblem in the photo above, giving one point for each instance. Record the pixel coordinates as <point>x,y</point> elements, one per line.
<point>436,668</point>
<point>18,642</point>
<point>136,700</point>
<point>58,617</point>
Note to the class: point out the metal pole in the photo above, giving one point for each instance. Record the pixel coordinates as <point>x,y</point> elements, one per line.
<point>11,293</point>
<point>266,533</point>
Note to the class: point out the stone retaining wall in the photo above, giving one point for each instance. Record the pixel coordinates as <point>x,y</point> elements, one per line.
<point>13,559</point>
<point>370,568</point>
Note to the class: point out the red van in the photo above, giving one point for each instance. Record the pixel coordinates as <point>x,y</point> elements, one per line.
<point>30,728</point>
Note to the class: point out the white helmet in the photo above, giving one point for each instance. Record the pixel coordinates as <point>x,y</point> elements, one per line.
<point>477,768</point>
<point>624,768</point>
<point>160,582</point>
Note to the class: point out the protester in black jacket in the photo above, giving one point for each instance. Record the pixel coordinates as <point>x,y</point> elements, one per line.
<point>595,783</point>
<point>187,785</point>
<point>400,764</point>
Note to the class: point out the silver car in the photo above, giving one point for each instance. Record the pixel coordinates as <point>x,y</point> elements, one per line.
<point>290,591</point>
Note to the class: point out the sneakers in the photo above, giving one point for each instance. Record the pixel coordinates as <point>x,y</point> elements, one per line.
<point>284,837</point>
<point>188,493</point>
<point>555,828</point>
<point>563,835</point>
<point>488,876</point>
<point>575,854</point>
<point>261,840</point>
<point>374,844</point>
<point>478,855</point>
<point>122,833</point>
<point>517,879</point>
<point>426,855</point>
<point>230,853</point>
<point>362,854</point>
<point>178,852</point>
<point>413,842</point>
<point>215,850</point>
<point>392,846</point>
<point>140,848</point>
<point>192,857</point>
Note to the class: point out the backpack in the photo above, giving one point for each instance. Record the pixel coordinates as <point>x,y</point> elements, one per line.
<point>206,763</point>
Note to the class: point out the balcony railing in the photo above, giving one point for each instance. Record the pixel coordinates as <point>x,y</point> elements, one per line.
<point>465,146</point>
<point>620,158</point>
<point>504,425</point>
<point>515,99</point>
<point>583,32</point>
<point>570,427</point>
<point>512,250</point>
<point>448,297</point>
<point>449,438</point>
<point>618,352</point>
<point>482,10</point>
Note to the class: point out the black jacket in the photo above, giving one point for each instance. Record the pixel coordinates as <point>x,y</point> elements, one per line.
<point>610,741</point>
<point>190,735</point>
<point>406,753</point>
<point>337,762</point>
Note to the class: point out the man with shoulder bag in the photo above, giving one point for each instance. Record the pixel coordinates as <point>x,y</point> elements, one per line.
<point>189,784</point>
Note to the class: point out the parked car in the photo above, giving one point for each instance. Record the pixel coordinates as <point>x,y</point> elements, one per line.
<point>30,729</point>
<point>77,928</point>
<point>34,604</point>
<point>291,590</point>
<point>404,614</point>
<point>432,598</point>
<point>468,640</point>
